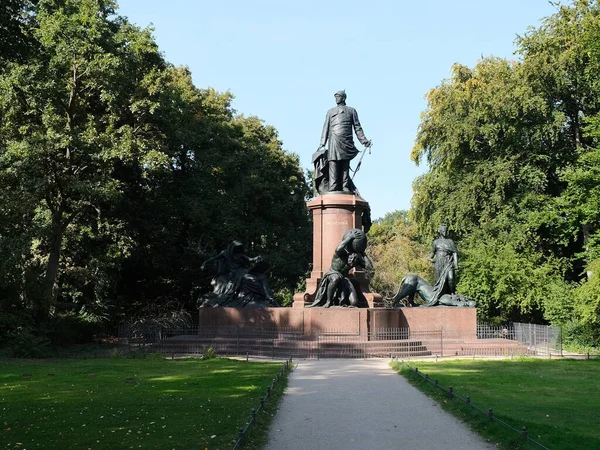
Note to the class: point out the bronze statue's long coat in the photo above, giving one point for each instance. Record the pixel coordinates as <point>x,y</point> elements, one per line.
<point>339,123</point>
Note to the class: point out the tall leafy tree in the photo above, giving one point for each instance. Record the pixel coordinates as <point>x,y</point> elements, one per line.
<point>559,60</point>
<point>119,175</point>
<point>492,145</point>
<point>76,126</point>
<point>231,179</point>
<point>496,148</point>
<point>16,17</point>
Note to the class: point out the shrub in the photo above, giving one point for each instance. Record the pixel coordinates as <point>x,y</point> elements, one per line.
<point>12,323</point>
<point>209,353</point>
<point>69,329</point>
<point>26,344</point>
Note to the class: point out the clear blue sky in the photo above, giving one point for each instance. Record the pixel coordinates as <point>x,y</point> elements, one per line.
<point>284,60</point>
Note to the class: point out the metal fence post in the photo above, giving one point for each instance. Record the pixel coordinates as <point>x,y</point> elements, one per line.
<point>318,346</point>
<point>560,340</point>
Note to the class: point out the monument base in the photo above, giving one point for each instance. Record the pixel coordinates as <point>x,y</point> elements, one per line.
<point>452,321</point>
<point>340,333</point>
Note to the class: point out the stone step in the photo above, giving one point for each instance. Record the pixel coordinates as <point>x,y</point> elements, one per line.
<point>330,346</point>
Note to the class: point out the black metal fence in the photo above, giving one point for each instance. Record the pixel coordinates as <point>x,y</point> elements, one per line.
<point>486,340</point>
<point>545,340</point>
<point>287,366</point>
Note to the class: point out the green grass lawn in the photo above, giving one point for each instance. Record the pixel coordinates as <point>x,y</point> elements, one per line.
<point>130,403</point>
<point>557,400</point>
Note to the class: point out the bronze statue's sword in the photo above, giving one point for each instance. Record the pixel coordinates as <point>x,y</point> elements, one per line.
<point>360,161</point>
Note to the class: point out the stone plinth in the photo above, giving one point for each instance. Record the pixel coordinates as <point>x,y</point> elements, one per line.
<point>453,322</point>
<point>252,318</point>
<point>308,321</point>
<point>333,215</point>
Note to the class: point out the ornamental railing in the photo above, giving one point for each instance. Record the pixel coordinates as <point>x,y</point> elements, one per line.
<point>487,340</point>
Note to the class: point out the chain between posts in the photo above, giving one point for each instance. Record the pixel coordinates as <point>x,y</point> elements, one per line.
<point>467,401</point>
<point>287,365</point>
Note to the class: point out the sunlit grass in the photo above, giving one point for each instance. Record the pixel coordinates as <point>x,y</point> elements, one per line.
<point>128,403</point>
<point>557,400</point>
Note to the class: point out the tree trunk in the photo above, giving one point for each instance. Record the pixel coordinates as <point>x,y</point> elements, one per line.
<point>48,293</point>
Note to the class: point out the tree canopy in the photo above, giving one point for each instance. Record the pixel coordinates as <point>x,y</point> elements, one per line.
<point>512,149</point>
<point>119,176</point>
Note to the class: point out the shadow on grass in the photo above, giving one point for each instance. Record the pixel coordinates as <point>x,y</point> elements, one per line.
<point>128,402</point>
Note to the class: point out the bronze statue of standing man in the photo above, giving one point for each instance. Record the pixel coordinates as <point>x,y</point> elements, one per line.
<point>332,165</point>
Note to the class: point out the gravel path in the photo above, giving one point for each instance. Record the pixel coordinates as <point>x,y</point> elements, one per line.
<point>362,404</point>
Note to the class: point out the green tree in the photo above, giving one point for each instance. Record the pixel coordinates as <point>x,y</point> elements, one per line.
<point>396,251</point>
<point>497,148</point>
<point>76,126</point>
<point>585,322</point>
<point>492,145</point>
<point>560,60</point>
<point>120,176</point>
<point>230,179</point>
<point>511,281</point>
<point>15,23</point>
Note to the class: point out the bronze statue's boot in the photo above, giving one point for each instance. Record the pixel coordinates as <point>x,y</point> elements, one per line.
<point>345,175</point>
<point>334,177</point>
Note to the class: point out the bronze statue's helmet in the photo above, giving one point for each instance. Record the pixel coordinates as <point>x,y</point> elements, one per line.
<point>341,93</point>
<point>237,246</point>
<point>443,229</point>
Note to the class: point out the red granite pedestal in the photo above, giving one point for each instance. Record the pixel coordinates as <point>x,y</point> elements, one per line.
<point>333,215</point>
<point>455,322</point>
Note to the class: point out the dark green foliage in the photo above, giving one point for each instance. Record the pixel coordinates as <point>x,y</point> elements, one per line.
<point>582,336</point>
<point>512,148</point>
<point>27,344</point>
<point>584,327</point>
<point>396,251</point>
<point>15,38</point>
<point>69,329</point>
<point>119,176</point>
